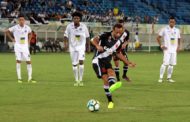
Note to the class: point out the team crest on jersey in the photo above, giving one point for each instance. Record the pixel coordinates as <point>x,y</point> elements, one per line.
<point>80,29</point>
<point>109,39</point>
<point>25,31</point>
<point>116,45</point>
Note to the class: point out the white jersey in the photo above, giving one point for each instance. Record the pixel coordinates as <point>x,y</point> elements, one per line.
<point>171,36</point>
<point>21,37</point>
<point>77,36</point>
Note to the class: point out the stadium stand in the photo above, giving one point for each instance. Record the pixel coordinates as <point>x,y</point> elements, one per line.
<point>144,11</point>
<point>145,17</point>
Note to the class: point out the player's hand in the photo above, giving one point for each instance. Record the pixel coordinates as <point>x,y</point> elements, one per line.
<point>66,48</point>
<point>13,40</point>
<point>178,49</point>
<point>163,47</point>
<point>100,48</point>
<point>131,64</point>
<point>124,45</point>
<point>110,51</point>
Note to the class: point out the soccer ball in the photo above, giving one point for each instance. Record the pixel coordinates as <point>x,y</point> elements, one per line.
<point>93,105</point>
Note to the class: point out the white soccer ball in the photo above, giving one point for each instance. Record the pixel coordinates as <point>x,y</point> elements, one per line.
<point>93,105</point>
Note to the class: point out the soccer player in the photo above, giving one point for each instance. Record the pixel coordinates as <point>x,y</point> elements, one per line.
<point>170,47</point>
<point>124,52</point>
<point>106,45</point>
<point>21,38</point>
<point>77,35</point>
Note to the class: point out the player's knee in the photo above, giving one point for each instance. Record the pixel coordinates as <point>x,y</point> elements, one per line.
<point>111,72</point>
<point>105,79</point>
<point>28,62</point>
<point>81,62</point>
<point>18,61</point>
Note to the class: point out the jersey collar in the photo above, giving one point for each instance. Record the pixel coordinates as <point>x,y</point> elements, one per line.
<point>74,25</point>
<point>21,27</point>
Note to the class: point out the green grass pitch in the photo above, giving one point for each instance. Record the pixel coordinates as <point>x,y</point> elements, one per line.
<point>55,99</point>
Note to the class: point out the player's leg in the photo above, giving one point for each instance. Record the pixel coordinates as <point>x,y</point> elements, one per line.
<point>18,66</point>
<point>29,69</point>
<point>125,69</point>
<point>74,59</point>
<point>27,58</point>
<point>112,80</point>
<point>170,67</point>
<point>81,66</point>
<point>116,69</point>
<point>34,48</point>
<point>101,72</point>
<point>163,66</point>
<point>107,92</point>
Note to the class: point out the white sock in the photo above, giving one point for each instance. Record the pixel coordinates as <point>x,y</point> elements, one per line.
<point>170,71</point>
<point>81,72</point>
<point>162,71</point>
<point>18,70</point>
<point>29,68</point>
<point>75,70</point>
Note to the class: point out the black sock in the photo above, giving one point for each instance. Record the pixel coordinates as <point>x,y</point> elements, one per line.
<point>125,69</point>
<point>117,73</point>
<point>111,80</point>
<point>108,94</point>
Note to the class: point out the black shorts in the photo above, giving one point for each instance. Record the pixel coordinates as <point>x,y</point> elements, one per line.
<point>101,67</point>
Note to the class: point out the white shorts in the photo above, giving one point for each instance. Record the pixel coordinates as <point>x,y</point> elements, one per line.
<point>170,58</point>
<point>76,56</point>
<point>22,56</point>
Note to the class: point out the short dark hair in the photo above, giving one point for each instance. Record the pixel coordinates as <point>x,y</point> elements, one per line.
<point>21,15</point>
<point>120,21</point>
<point>172,17</point>
<point>118,25</point>
<point>77,14</point>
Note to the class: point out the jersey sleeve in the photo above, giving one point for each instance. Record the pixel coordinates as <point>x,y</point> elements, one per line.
<point>179,34</point>
<point>11,29</point>
<point>86,32</point>
<point>161,33</point>
<point>66,34</point>
<point>102,38</point>
<point>29,30</point>
<point>127,37</point>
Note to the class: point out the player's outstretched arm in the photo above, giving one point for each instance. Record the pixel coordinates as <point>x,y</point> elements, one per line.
<point>66,42</point>
<point>88,44</point>
<point>160,44</point>
<point>95,42</point>
<point>29,38</point>
<point>178,46</point>
<point>124,59</point>
<point>124,44</point>
<point>8,33</point>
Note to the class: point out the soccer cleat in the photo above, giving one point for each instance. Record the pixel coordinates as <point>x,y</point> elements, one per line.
<point>76,83</point>
<point>115,86</point>
<point>19,81</point>
<point>32,81</point>
<point>160,80</point>
<point>110,105</point>
<point>126,78</point>
<point>81,83</point>
<point>170,80</point>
